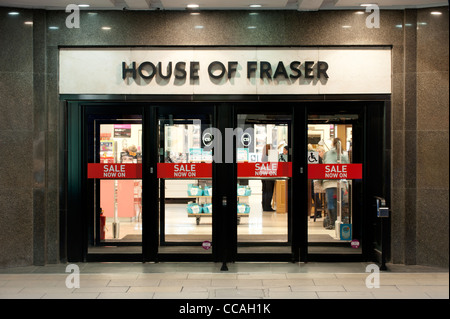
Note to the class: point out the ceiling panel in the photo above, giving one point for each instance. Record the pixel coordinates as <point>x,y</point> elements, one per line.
<point>137,4</point>
<point>309,4</point>
<point>221,4</point>
<point>393,3</point>
<point>57,4</point>
<point>228,4</point>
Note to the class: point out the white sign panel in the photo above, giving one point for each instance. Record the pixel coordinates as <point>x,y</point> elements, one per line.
<point>225,70</point>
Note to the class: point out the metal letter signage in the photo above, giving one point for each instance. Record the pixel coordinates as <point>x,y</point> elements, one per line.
<point>203,70</point>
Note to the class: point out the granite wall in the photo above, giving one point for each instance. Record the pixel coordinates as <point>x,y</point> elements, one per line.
<point>32,120</point>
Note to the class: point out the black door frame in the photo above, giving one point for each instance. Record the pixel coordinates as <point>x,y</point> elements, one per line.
<point>73,227</point>
<point>374,141</point>
<point>264,107</point>
<point>190,110</point>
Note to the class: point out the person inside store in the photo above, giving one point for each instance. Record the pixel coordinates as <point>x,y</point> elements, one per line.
<point>267,184</point>
<point>284,156</point>
<point>129,154</point>
<point>333,156</point>
<point>317,187</point>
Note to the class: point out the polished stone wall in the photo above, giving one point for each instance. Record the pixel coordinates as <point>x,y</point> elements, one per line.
<point>32,119</point>
<point>432,141</point>
<point>17,163</point>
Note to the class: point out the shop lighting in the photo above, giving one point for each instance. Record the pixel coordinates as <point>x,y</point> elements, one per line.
<point>255,6</point>
<point>84,5</point>
<point>53,28</point>
<point>346,26</point>
<point>192,6</point>
<point>106,28</point>
<point>359,12</point>
<point>28,23</point>
<point>198,27</point>
<point>13,13</point>
<point>251,27</point>
<point>367,4</point>
<point>436,13</point>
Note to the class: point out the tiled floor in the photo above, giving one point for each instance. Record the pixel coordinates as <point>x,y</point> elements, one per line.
<point>207,281</point>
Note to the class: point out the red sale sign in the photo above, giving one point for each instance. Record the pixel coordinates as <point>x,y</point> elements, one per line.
<point>114,171</point>
<point>269,169</point>
<point>184,170</point>
<point>334,171</point>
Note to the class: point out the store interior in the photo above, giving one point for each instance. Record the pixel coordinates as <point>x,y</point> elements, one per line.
<point>187,202</point>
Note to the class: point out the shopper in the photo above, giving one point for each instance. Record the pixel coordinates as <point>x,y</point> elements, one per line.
<point>317,187</point>
<point>267,184</point>
<point>284,156</point>
<point>334,155</point>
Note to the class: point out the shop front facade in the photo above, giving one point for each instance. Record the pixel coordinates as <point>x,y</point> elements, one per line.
<point>153,139</point>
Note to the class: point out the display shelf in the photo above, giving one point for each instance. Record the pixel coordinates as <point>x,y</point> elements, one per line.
<point>200,215</point>
<point>202,200</point>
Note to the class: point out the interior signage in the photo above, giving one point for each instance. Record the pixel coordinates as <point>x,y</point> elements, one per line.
<point>219,70</point>
<point>265,169</point>
<point>335,171</point>
<point>204,170</point>
<point>114,171</point>
<point>184,170</point>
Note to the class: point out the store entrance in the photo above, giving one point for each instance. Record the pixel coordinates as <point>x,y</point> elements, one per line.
<point>225,182</point>
<point>264,171</point>
<point>185,183</point>
<point>113,158</point>
<point>335,161</point>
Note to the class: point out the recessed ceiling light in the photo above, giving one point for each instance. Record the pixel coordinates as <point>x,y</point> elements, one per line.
<point>84,5</point>
<point>192,6</point>
<point>13,13</point>
<point>198,27</point>
<point>255,6</point>
<point>106,28</point>
<point>194,13</point>
<point>53,27</point>
<point>367,4</point>
<point>359,12</point>
<point>28,23</point>
<point>251,27</point>
<point>436,13</point>
<point>346,26</point>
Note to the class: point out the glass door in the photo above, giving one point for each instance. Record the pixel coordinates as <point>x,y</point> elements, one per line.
<point>184,172</point>
<point>114,183</point>
<point>264,174</point>
<point>334,157</point>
